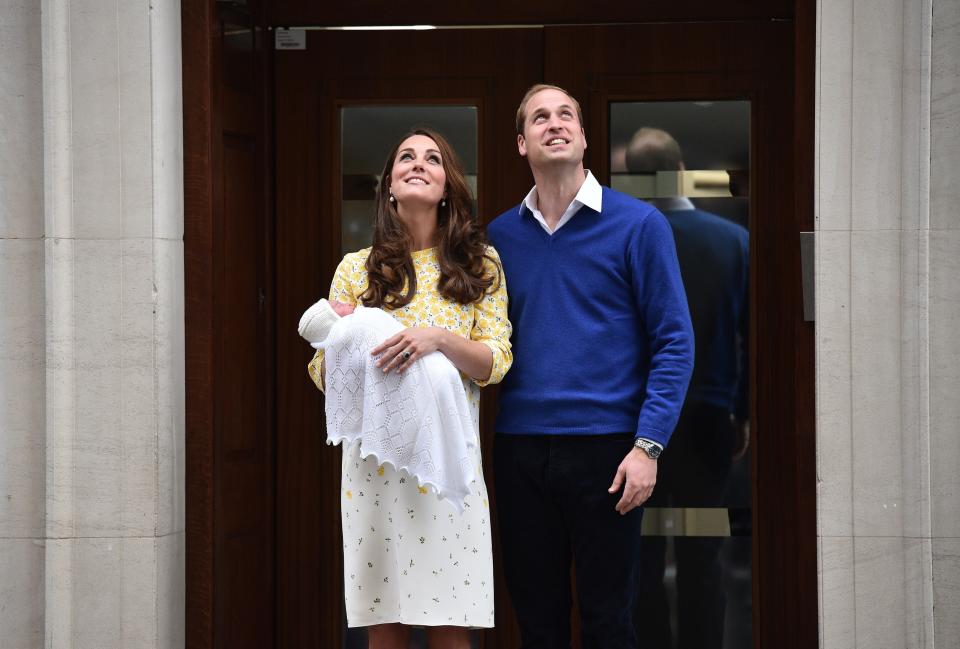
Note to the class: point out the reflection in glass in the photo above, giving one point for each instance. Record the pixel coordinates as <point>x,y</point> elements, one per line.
<point>368,132</point>
<point>691,160</point>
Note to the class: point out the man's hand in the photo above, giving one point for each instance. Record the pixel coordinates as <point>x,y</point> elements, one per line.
<point>640,474</point>
<point>741,431</point>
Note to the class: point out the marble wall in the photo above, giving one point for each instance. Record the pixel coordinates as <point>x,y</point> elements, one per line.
<point>22,330</point>
<point>944,315</point>
<point>114,279</point>
<point>92,360</point>
<point>887,377</point>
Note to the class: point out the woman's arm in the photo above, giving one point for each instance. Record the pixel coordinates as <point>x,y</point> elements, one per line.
<point>485,356</point>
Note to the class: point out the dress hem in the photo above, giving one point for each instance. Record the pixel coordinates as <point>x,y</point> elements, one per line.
<point>370,622</point>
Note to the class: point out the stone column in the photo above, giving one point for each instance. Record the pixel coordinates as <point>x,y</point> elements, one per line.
<point>114,280</point>
<point>944,317</point>
<point>92,367</point>
<point>22,328</point>
<point>887,379</point>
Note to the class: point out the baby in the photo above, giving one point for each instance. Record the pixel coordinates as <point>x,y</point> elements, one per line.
<point>316,322</point>
<point>418,421</point>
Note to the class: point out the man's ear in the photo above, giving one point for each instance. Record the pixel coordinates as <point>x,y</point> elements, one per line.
<point>522,145</point>
<point>584,134</point>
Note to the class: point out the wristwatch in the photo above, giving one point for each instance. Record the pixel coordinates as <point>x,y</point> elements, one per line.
<point>652,450</point>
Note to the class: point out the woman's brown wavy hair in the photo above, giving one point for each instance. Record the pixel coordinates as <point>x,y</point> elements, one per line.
<point>461,243</point>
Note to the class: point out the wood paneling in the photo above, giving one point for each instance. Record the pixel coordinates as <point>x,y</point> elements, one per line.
<point>506,12</point>
<point>200,78</point>
<point>228,257</point>
<point>244,433</point>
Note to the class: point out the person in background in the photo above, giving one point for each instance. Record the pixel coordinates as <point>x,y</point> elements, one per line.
<point>714,263</point>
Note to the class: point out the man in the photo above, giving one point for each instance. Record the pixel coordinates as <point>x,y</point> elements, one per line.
<point>603,351</point>
<point>714,263</point>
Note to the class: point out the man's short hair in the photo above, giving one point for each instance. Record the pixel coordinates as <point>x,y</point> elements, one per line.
<point>653,149</point>
<point>522,110</point>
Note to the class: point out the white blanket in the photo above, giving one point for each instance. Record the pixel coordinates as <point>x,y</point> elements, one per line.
<point>418,421</point>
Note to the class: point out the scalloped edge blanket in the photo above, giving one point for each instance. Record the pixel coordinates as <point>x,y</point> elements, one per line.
<point>418,422</point>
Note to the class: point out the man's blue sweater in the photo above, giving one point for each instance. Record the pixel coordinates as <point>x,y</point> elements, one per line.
<point>602,340</point>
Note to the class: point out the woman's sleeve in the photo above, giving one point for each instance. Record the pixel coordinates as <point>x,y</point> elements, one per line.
<point>341,290</point>
<point>491,325</point>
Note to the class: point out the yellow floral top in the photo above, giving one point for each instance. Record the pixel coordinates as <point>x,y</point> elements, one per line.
<point>484,321</point>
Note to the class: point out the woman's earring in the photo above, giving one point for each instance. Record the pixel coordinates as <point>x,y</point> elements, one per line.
<point>443,202</point>
<point>393,199</point>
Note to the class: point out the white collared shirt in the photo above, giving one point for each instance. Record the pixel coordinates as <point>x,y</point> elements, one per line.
<point>590,194</point>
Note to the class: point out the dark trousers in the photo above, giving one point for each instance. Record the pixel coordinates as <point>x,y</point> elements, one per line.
<point>553,507</point>
<point>693,472</point>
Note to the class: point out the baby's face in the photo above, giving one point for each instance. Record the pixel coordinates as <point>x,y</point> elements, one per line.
<point>341,309</point>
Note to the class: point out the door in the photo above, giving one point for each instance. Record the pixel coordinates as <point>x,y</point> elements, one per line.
<point>726,91</point>
<point>335,124</point>
<point>228,259</point>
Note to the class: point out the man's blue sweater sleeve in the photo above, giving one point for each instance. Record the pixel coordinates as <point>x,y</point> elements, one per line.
<point>662,303</point>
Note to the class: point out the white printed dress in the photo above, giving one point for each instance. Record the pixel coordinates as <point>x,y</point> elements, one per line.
<point>409,557</point>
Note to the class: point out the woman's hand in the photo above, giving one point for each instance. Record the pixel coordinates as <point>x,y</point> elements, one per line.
<point>399,352</point>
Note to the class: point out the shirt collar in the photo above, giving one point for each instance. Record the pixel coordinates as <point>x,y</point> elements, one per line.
<point>589,194</point>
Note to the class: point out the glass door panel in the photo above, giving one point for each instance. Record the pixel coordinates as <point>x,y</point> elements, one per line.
<point>691,159</point>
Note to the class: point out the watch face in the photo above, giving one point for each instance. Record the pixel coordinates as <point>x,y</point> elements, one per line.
<point>652,450</point>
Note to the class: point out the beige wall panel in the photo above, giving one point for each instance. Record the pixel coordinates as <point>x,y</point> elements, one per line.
<point>21,121</point>
<point>134,104</point>
<point>914,418</point>
<point>115,442</point>
<point>834,114</point>
<point>876,382</point>
<point>918,585</point>
<point>945,116</point>
<point>837,594</point>
<point>167,121</point>
<point>61,391</point>
<point>835,441</point>
<point>95,137</point>
<point>876,127</point>
<point>915,176</point>
<point>171,575</point>
<point>170,368</point>
<point>944,382</point>
<point>880,594</point>
<point>21,593</point>
<point>946,591</point>
<point>113,593</point>
<point>22,436</point>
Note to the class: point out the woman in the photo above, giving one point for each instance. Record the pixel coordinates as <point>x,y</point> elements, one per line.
<point>409,558</point>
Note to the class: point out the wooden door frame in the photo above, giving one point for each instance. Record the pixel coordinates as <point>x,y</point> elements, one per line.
<point>201,81</point>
